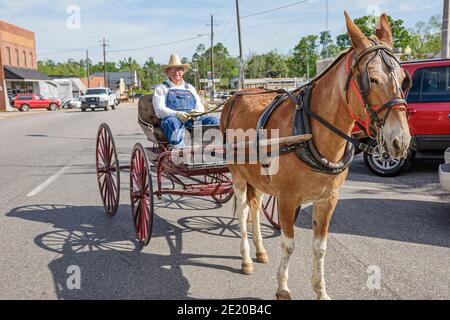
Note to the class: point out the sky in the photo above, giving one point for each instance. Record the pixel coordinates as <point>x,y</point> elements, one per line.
<point>66,28</point>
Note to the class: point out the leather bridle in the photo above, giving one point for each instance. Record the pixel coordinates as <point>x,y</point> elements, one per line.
<point>361,87</point>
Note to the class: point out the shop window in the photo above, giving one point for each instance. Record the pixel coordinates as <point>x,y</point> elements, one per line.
<point>8,49</point>
<point>17,58</point>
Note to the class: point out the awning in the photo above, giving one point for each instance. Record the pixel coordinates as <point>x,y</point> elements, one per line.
<point>13,73</point>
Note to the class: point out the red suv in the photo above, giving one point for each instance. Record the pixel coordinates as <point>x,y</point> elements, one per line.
<point>429,117</point>
<point>25,102</point>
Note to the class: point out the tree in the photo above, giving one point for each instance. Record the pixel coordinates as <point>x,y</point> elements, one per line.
<point>426,38</point>
<point>268,65</point>
<point>304,57</point>
<point>226,67</point>
<point>325,41</point>
<point>368,25</point>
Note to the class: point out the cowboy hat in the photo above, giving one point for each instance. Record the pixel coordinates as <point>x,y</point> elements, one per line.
<point>175,62</point>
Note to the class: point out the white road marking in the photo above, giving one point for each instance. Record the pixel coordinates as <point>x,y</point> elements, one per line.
<point>47,182</point>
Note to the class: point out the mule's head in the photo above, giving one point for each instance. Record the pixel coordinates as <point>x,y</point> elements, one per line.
<point>382,85</point>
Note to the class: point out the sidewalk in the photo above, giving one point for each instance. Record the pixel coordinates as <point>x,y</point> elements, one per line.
<point>16,113</point>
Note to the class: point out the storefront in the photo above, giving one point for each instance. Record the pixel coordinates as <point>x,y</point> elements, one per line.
<point>21,80</point>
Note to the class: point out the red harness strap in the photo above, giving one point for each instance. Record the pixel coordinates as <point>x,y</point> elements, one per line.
<point>353,87</point>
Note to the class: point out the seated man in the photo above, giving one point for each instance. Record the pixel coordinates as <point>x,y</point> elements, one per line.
<point>176,103</point>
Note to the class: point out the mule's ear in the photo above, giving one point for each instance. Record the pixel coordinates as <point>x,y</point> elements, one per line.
<point>359,40</point>
<point>384,31</point>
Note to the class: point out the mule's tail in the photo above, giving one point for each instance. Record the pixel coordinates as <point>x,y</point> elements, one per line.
<point>252,201</point>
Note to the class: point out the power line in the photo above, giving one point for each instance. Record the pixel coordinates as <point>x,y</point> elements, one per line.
<point>159,45</point>
<point>274,9</point>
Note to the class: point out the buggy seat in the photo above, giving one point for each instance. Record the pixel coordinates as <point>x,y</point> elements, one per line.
<point>148,120</point>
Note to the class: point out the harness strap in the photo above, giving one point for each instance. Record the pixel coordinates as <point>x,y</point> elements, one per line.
<point>360,145</point>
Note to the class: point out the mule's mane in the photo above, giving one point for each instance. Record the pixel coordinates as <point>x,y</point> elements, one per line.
<point>374,39</point>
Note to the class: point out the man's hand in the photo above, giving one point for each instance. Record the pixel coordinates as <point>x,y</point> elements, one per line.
<point>183,116</point>
<point>194,114</point>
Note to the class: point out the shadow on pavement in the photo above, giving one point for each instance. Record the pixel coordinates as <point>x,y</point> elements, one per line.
<point>111,262</point>
<point>399,220</point>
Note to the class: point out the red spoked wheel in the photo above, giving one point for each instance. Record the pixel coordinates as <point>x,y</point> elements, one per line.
<point>270,210</point>
<point>223,197</point>
<point>141,194</point>
<point>108,170</point>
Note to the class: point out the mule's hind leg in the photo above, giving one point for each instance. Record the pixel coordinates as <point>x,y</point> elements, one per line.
<point>322,213</point>
<point>287,218</point>
<point>242,208</point>
<point>255,201</point>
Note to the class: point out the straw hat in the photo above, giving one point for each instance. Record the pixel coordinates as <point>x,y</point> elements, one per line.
<point>175,62</point>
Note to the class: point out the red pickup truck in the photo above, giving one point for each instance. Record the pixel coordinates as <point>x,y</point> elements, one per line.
<point>429,117</point>
<point>25,102</point>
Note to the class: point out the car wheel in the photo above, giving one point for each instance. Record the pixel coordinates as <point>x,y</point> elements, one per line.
<point>387,167</point>
<point>53,107</point>
<point>24,108</point>
<point>83,109</point>
<point>106,108</point>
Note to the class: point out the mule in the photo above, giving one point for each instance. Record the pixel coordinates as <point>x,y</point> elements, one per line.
<point>357,82</point>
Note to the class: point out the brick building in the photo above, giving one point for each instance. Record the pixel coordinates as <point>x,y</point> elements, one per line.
<point>18,63</point>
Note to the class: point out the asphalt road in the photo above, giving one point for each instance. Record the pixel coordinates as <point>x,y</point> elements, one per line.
<point>52,225</point>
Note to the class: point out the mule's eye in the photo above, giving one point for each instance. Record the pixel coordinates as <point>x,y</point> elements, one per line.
<point>375,81</point>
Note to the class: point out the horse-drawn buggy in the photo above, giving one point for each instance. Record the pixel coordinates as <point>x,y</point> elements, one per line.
<point>156,171</point>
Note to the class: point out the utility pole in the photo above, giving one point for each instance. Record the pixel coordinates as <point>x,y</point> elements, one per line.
<point>241,58</point>
<point>212,58</point>
<point>2,87</point>
<point>87,69</point>
<point>104,44</point>
<point>445,32</point>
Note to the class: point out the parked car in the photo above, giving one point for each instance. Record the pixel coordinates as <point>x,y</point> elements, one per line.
<point>444,172</point>
<point>74,103</point>
<point>25,102</point>
<point>429,117</point>
<point>98,98</point>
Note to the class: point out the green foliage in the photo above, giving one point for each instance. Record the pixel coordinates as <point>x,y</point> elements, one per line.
<point>303,60</point>
<point>426,38</point>
<point>268,65</point>
<point>226,67</point>
<point>368,24</point>
<point>70,68</point>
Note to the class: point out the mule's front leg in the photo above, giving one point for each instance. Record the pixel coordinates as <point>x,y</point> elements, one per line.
<point>242,209</point>
<point>322,213</point>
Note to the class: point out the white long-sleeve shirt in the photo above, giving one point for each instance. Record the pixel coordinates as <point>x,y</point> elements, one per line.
<point>159,99</point>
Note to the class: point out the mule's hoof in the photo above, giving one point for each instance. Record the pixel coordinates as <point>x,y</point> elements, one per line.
<point>247,268</point>
<point>262,257</point>
<point>323,296</point>
<point>283,295</point>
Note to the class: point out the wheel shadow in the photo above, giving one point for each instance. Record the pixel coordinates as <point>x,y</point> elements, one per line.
<point>112,264</point>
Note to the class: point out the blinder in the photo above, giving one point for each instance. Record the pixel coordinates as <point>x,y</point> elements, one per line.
<point>407,83</point>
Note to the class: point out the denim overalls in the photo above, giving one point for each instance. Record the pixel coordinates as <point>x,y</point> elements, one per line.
<point>184,101</point>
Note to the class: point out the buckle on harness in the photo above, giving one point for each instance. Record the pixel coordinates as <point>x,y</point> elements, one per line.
<point>366,148</point>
